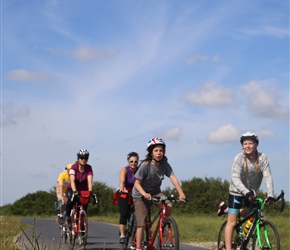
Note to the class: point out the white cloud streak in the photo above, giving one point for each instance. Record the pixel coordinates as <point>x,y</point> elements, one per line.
<point>86,53</point>
<point>210,94</point>
<point>263,102</point>
<point>24,75</point>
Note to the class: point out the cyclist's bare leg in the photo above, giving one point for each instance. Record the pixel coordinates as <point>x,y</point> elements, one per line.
<point>139,237</point>
<point>168,209</point>
<point>244,212</point>
<point>122,229</point>
<point>231,223</point>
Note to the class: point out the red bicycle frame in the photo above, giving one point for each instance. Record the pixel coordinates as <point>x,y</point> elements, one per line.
<point>78,211</point>
<point>161,215</point>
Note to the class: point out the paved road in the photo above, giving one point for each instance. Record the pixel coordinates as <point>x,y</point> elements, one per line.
<point>101,236</point>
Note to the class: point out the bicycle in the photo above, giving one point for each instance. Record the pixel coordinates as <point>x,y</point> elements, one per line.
<point>166,231</point>
<point>129,231</point>
<point>79,230</point>
<point>262,234</point>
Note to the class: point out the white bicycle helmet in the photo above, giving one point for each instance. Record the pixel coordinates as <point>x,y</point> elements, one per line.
<point>155,141</point>
<point>83,153</point>
<point>249,135</point>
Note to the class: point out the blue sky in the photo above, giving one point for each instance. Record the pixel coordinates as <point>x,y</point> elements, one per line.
<point>110,75</point>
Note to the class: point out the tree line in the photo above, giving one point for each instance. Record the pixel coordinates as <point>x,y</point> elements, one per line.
<point>204,195</point>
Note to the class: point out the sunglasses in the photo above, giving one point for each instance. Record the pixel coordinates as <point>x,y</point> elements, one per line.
<point>133,162</point>
<point>84,158</point>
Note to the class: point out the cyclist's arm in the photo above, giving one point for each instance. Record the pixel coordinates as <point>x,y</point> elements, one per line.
<point>176,184</point>
<point>57,189</point>
<point>237,169</point>
<point>72,182</point>
<point>90,182</point>
<point>139,188</point>
<point>60,189</point>
<point>122,179</point>
<point>268,177</point>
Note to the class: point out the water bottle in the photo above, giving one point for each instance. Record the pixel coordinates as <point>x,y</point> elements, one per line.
<point>247,227</point>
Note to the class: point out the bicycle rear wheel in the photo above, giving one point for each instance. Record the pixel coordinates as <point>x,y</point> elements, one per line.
<point>236,243</point>
<point>269,237</point>
<point>170,235</point>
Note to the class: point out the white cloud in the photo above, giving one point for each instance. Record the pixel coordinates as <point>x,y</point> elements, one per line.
<point>24,75</point>
<point>265,133</point>
<point>216,58</point>
<point>225,133</point>
<point>263,102</point>
<point>86,53</point>
<point>172,134</point>
<point>211,94</point>
<point>230,133</point>
<point>197,58</point>
<point>266,31</point>
<point>11,113</point>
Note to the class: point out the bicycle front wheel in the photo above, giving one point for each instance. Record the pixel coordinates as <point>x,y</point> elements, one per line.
<point>236,242</point>
<point>269,237</point>
<point>131,235</point>
<point>84,228</point>
<point>170,235</point>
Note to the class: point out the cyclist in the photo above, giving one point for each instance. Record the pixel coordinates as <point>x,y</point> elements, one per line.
<point>248,170</point>
<point>127,180</point>
<point>148,182</point>
<point>81,179</point>
<point>61,187</point>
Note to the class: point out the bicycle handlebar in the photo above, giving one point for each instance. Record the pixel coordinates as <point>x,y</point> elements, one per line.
<point>281,196</point>
<point>165,198</point>
<point>95,199</point>
<point>261,201</point>
<point>94,196</point>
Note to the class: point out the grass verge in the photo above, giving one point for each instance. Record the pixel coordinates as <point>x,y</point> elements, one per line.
<point>200,230</point>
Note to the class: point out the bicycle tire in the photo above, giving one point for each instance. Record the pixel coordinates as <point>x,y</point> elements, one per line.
<point>170,235</point>
<point>64,234</point>
<point>132,237</point>
<point>236,243</point>
<point>84,228</point>
<point>267,231</point>
<point>72,241</point>
<point>129,233</point>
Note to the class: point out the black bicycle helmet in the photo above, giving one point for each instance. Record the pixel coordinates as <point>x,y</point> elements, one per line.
<point>83,153</point>
<point>132,154</point>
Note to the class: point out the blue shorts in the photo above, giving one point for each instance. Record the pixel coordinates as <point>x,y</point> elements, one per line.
<point>235,203</point>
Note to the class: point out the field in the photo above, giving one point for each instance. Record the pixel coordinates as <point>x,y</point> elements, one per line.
<point>199,230</point>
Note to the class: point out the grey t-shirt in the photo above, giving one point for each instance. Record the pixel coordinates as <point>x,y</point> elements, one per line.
<point>243,181</point>
<point>151,177</point>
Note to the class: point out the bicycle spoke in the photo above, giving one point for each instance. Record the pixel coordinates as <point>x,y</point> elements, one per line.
<point>269,237</point>
<point>170,235</point>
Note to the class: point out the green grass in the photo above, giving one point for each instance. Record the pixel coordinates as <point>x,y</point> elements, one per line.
<point>9,228</point>
<point>204,229</point>
<point>195,229</point>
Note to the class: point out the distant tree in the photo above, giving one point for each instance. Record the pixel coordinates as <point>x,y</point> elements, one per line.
<point>105,200</point>
<point>38,203</point>
<point>204,196</point>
